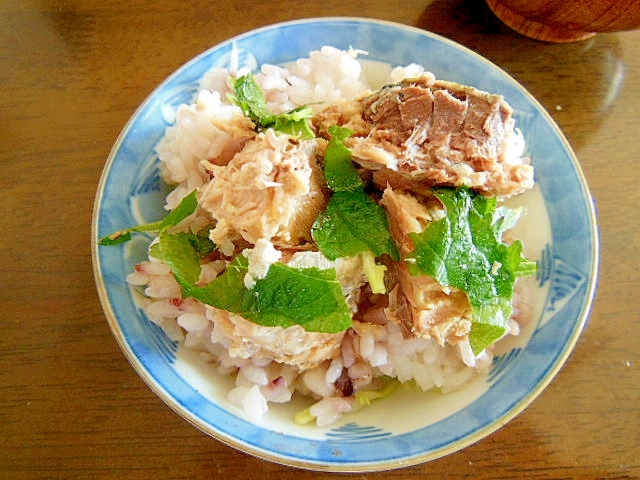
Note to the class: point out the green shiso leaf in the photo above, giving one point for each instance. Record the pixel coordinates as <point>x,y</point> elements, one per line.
<point>339,171</point>
<point>465,250</point>
<point>353,222</point>
<point>248,95</point>
<point>187,206</point>
<point>250,98</point>
<point>180,252</point>
<point>309,297</point>
<point>296,123</point>
<point>202,243</point>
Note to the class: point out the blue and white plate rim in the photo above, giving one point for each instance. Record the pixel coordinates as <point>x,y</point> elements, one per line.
<point>331,463</point>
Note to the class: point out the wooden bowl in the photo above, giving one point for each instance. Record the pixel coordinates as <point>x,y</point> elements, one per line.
<point>567,20</point>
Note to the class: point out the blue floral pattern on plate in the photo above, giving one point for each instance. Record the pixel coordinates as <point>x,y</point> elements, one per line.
<point>408,427</point>
<point>354,432</point>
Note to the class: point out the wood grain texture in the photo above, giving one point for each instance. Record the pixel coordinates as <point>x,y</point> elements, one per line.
<point>567,20</point>
<point>71,74</point>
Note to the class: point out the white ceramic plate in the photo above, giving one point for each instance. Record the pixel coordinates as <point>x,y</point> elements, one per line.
<point>409,427</point>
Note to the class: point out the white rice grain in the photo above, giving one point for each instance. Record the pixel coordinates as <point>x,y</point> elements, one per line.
<point>367,345</point>
<point>251,400</point>
<point>163,287</point>
<point>329,409</point>
<point>334,371</point>
<point>403,368</point>
<point>466,353</point>
<point>379,356</point>
<point>348,350</point>
<point>423,377</point>
<point>432,353</point>
<point>163,308</point>
<point>193,322</point>
<point>260,258</point>
<point>253,375</point>
<point>314,380</point>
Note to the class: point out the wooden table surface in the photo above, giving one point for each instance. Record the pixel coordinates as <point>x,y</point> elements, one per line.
<point>71,74</point>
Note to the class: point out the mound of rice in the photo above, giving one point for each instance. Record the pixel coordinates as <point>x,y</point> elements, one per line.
<point>369,356</point>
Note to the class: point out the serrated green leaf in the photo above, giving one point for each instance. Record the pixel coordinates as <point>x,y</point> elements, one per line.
<point>248,95</point>
<point>186,207</point>
<point>296,123</point>
<point>353,223</point>
<point>250,98</point>
<point>465,250</point>
<point>180,253</point>
<point>309,297</point>
<point>339,170</point>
